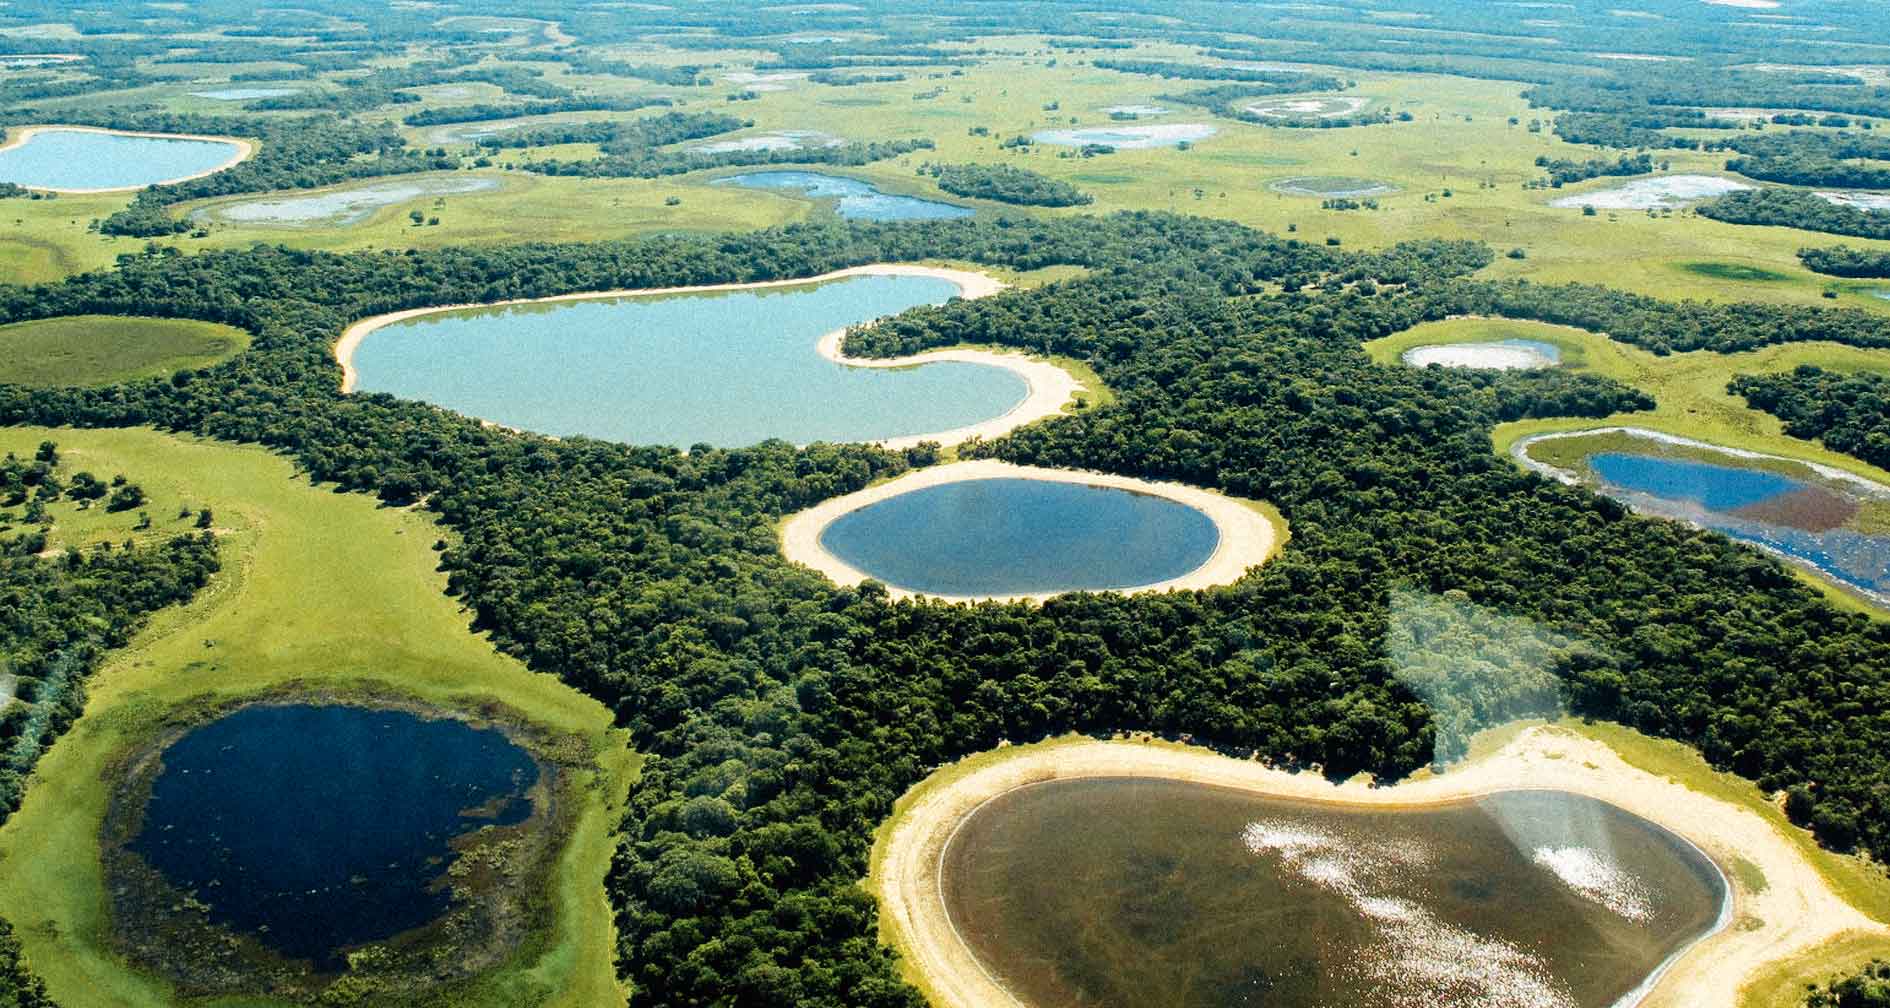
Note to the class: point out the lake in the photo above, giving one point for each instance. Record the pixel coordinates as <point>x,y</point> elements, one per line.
<point>1131,892</point>
<point>1661,192</point>
<point>1012,537</point>
<point>71,160</point>
<point>1126,137</point>
<point>1831,526</point>
<point>1333,186</point>
<point>853,199</point>
<point>316,828</point>
<point>1496,355</point>
<point>234,94</point>
<point>726,368</point>
<point>342,207</point>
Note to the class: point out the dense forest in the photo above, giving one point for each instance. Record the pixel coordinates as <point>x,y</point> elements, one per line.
<point>1850,413</point>
<point>783,716</point>
<point>1869,988</point>
<point>1006,184</point>
<point>1844,261</point>
<point>1795,208</point>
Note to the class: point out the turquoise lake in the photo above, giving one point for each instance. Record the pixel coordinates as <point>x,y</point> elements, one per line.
<point>853,199</point>
<point>76,159</point>
<point>1022,537</point>
<point>725,369</point>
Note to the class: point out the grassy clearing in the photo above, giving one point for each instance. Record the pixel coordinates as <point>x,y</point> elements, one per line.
<point>323,588</point>
<point>107,349</point>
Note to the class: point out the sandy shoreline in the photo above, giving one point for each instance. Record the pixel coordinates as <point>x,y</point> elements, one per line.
<point>1247,538</point>
<point>1051,388</point>
<point>1795,912</point>
<point>244,149</point>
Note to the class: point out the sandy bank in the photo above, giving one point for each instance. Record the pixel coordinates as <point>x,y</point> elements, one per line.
<point>1050,388</point>
<point>1247,538</point>
<point>1795,912</point>
<point>244,148</point>
<point>970,285</point>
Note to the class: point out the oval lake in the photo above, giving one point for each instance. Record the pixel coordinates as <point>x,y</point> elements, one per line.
<point>316,828</point>
<point>853,199</point>
<point>1131,892</point>
<point>726,368</point>
<point>70,159</point>
<point>1496,355</point>
<point>1010,537</point>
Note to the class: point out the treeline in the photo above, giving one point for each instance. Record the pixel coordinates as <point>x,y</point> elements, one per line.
<point>483,113</point>
<point>1563,170</point>
<point>841,78</point>
<point>294,154</point>
<point>1006,184</point>
<point>1849,413</point>
<point>1635,132</point>
<point>1844,261</point>
<point>635,149</point>
<point>61,615</point>
<point>1867,988</point>
<point>1285,81</point>
<point>1806,158</point>
<point>1795,208</point>
<point>19,986</point>
<point>682,75</point>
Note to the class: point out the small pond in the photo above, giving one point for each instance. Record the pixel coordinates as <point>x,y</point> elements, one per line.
<point>1333,186</point>
<point>342,207</point>
<point>316,828</point>
<point>1876,202</point>
<point>75,160</point>
<point>725,368</point>
<point>1126,137</point>
<point>1125,891</point>
<point>779,140</point>
<point>1664,192</point>
<point>1496,355</point>
<point>1307,108</point>
<point>1831,524</point>
<point>236,94</point>
<point>1014,537</point>
<point>853,199</point>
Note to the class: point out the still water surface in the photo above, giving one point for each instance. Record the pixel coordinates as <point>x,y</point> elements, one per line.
<point>80,159</point>
<point>727,369</point>
<point>317,828</point>
<point>853,199</point>
<point>1022,537</point>
<point>1141,892</point>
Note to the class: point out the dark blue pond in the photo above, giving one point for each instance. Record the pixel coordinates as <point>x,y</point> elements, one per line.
<point>1716,487</point>
<point>1022,537</point>
<point>854,199</point>
<point>317,828</point>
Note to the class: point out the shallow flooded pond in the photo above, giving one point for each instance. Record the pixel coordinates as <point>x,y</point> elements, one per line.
<point>320,827</point>
<point>1126,137</point>
<point>70,159</point>
<point>725,368</point>
<point>1496,355</point>
<point>1830,523</point>
<point>342,207</point>
<point>1131,892</point>
<point>1007,537</point>
<point>853,199</point>
<point>1333,186</point>
<point>1662,192</point>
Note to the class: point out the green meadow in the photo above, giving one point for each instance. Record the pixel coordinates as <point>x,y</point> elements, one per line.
<point>324,590</point>
<point>108,349</point>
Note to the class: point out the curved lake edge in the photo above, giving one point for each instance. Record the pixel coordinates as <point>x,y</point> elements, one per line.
<point>1050,388</point>
<point>526,921</point>
<point>1247,538</point>
<point>21,136</point>
<point>1795,912</point>
<point>1865,486</point>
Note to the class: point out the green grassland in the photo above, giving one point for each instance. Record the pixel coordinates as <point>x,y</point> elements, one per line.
<point>326,589</point>
<point>106,349</point>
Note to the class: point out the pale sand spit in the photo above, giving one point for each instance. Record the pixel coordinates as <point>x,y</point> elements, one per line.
<point>1247,538</point>
<point>244,148</point>
<point>1797,911</point>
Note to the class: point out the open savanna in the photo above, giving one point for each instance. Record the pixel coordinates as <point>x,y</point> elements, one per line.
<point>317,588</point>
<point>107,349</point>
